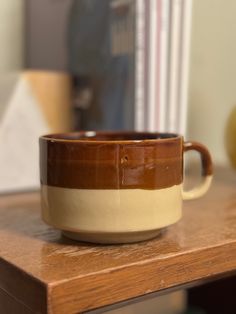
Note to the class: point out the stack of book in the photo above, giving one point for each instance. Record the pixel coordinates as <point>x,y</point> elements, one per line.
<point>162,64</point>
<point>161,47</point>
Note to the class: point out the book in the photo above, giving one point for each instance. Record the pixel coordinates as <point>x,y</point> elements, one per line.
<point>153,64</point>
<point>163,64</point>
<point>140,63</point>
<point>180,33</point>
<point>176,12</point>
<point>184,67</point>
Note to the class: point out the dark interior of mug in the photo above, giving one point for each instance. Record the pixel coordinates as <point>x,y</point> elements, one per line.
<point>112,136</point>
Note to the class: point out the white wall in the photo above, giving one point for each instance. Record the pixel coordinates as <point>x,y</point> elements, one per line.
<point>213,72</point>
<point>11,35</point>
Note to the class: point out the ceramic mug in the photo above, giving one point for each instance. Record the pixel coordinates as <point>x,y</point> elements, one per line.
<point>116,187</point>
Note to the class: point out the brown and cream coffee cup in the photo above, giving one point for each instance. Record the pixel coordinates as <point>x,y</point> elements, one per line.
<point>115,187</point>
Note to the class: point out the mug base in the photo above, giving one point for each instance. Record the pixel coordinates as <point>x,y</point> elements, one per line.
<point>112,237</point>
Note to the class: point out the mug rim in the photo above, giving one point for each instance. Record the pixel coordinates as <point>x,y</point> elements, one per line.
<point>90,137</point>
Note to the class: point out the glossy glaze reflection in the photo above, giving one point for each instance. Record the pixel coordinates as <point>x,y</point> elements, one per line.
<point>122,160</point>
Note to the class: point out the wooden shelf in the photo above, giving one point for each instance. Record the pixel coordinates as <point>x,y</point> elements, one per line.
<point>46,273</point>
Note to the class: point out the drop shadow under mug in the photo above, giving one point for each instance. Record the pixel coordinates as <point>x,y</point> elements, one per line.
<point>116,187</point>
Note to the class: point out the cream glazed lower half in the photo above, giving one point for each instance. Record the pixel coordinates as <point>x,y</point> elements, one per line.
<point>111,216</point>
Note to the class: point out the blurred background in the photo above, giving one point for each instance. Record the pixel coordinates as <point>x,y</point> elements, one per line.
<point>34,35</point>
<point>86,64</point>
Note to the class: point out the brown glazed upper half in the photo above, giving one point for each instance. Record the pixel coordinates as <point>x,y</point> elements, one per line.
<point>106,160</point>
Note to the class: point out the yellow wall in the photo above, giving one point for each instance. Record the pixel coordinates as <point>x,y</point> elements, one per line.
<point>212,72</point>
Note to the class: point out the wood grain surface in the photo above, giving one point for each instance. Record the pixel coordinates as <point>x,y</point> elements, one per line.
<point>50,274</point>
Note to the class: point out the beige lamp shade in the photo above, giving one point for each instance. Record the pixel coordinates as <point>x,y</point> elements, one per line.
<point>53,94</point>
<point>32,103</point>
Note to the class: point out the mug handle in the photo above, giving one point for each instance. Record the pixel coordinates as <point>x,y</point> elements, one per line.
<point>207,171</point>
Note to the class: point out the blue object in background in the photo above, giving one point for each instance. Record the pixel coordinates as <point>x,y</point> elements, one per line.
<point>91,59</point>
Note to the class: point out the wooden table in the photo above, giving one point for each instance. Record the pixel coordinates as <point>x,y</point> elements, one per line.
<point>42,272</point>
